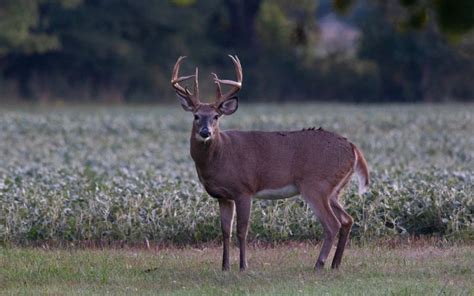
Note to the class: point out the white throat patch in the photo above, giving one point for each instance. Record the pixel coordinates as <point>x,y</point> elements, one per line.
<point>201,139</point>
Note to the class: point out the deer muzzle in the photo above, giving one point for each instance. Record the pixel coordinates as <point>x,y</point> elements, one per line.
<point>205,133</point>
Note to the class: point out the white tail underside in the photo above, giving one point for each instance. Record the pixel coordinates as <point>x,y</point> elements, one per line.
<point>361,177</point>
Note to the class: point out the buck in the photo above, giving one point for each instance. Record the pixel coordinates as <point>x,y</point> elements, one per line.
<point>236,166</point>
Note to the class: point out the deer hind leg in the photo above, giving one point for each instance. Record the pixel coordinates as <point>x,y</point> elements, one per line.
<point>227,216</point>
<point>343,217</point>
<point>346,224</point>
<point>319,201</point>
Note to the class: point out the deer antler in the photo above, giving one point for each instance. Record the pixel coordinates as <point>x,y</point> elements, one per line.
<point>236,85</point>
<point>183,91</point>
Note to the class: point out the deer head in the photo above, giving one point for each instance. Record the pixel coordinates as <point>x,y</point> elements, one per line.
<point>206,115</point>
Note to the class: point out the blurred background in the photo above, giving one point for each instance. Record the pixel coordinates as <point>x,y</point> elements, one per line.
<point>318,50</point>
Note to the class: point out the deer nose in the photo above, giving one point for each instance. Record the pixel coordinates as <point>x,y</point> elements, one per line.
<point>205,133</point>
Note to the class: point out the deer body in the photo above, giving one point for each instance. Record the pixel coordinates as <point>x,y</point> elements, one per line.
<point>237,162</point>
<point>236,166</point>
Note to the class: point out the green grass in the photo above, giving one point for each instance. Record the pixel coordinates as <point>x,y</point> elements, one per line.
<point>282,270</point>
<point>74,174</point>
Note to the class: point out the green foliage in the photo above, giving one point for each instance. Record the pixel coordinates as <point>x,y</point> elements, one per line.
<point>455,17</point>
<point>452,17</point>
<point>413,65</point>
<point>273,27</point>
<point>18,19</point>
<point>342,6</point>
<point>125,174</point>
<point>183,2</point>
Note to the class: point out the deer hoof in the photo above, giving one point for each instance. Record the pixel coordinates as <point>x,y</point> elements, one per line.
<point>319,266</point>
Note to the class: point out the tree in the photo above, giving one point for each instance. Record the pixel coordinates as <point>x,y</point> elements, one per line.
<point>415,64</point>
<point>454,18</point>
<point>18,20</point>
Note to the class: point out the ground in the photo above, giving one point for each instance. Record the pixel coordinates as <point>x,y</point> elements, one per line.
<point>284,269</point>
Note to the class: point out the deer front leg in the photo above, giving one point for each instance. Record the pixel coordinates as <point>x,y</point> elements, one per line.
<point>226,207</point>
<point>243,206</point>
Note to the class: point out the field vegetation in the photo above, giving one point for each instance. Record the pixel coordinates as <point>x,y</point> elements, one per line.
<point>124,174</point>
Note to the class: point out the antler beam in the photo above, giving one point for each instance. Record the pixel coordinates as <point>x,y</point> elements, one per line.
<point>183,91</point>
<point>236,85</point>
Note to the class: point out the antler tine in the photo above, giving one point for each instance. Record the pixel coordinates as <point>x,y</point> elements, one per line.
<point>218,86</point>
<point>236,85</point>
<point>183,78</point>
<point>183,91</point>
<point>174,78</point>
<point>238,67</point>
<point>196,83</point>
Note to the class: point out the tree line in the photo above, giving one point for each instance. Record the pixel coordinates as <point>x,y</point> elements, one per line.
<point>335,50</point>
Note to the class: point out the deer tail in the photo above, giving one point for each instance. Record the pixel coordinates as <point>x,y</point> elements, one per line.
<point>362,170</point>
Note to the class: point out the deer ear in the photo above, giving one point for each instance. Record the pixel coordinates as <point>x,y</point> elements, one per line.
<point>229,106</point>
<point>186,103</point>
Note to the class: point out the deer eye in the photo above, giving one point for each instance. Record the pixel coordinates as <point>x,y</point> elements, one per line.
<point>216,117</point>
<point>196,117</point>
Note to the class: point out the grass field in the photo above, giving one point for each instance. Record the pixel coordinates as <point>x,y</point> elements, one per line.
<point>284,270</point>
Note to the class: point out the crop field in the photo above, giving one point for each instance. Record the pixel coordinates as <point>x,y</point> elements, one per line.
<point>124,174</point>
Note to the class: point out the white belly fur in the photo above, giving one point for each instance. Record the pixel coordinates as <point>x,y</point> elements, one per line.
<point>277,193</point>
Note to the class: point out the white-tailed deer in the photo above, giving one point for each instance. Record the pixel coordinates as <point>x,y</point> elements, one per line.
<point>236,166</point>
